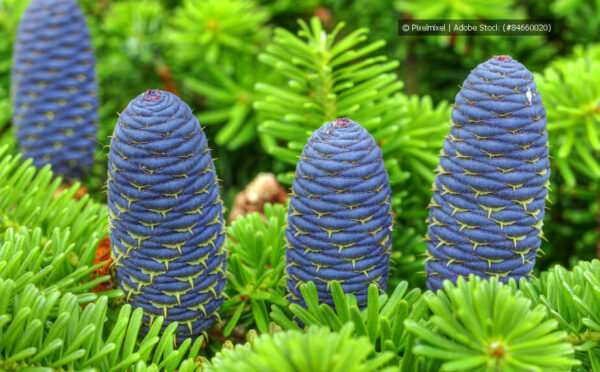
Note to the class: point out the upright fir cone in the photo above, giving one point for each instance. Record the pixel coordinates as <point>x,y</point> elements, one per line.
<point>489,194</point>
<point>340,217</point>
<point>166,215</point>
<point>54,90</point>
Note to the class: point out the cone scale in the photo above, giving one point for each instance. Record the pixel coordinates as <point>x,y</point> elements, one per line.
<point>54,89</point>
<point>489,194</point>
<point>166,215</point>
<point>340,217</point>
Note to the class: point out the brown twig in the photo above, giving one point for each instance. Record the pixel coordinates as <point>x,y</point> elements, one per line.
<point>167,79</point>
<point>80,193</point>
<point>103,255</point>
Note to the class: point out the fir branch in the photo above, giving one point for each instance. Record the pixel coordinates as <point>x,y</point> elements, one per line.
<point>51,264</point>
<point>570,91</point>
<point>6,130</point>
<point>220,29</point>
<point>50,330</point>
<point>10,14</point>
<point>30,197</point>
<point>256,268</point>
<point>230,34</point>
<point>229,97</point>
<point>382,321</point>
<point>573,299</point>
<point>486,325</point>
<point>318,349</point>
<point>46,236</point>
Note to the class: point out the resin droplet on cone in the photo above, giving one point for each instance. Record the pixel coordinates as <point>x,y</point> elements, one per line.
<point>166,214</point>
<point>489,194</point>
<point>340,217</point>
<point>54,90</point>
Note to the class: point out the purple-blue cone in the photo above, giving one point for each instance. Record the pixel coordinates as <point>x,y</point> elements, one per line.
<point>488,204</point>
<point>166,214</point>
<point>54,90</point>
<point>340,216</point>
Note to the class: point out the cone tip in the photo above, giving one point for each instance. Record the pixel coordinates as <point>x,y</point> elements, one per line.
<point>341,122</point>
<point>151,95</point>
<point>503,58</point>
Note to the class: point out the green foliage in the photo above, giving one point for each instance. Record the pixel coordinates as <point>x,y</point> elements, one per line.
<point>50,330</point>
<point>572,224</point>
<point>373,15</point>
<point>127,40</point>
<point>581,17</point>
<point>317,349</point>
<point>229,98</point>
<point>10,13</point>
<point>256,268</point>
<point>381,321</point>
<point>50,263</point>
<point>47,238</point>
<point>126,36</point>
<point>221,29</point>
<point>135,30</point>
<point>290,8</point>
<point>573,299</point>
<point>6,130</point>
<point>406,261</point>
<point>29,198</point>
<point>569,89</point>
<point>449,9</point>
<point>483,325</point>
<point>229,34</point>
<point>415,148</point>
<point>571,93</point>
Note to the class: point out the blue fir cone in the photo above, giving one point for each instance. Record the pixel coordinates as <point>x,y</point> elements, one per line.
<point>54,90</point>
<point>487,209</point>
<point>340,216</point>
<point>166,214</point>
